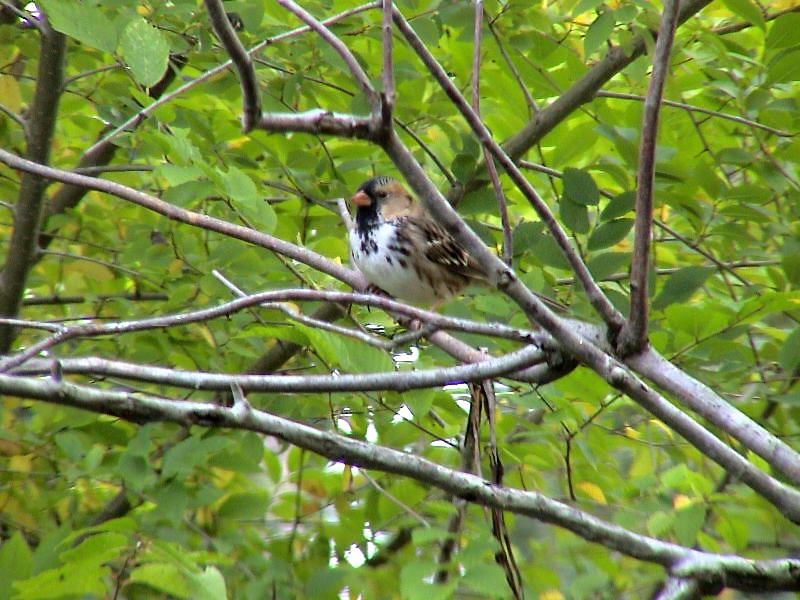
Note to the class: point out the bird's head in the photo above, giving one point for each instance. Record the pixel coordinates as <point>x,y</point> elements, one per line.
<point>385,197</point>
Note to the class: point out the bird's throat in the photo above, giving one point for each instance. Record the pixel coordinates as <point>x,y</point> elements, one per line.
<point>366,219</point>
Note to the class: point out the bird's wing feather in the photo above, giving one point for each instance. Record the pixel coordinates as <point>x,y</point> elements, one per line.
<point>439,247</point>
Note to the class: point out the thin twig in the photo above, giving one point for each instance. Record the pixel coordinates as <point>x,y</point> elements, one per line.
<point>18,119</point>
<point>233,306</point>
<point>532,106</point>
<point>476,106</point>
<point>291,384</point>
<point>211,73</point>
<point>242,61</point>
<point>388,99</point>
<point>362,79</point>
<point>633,336</point>
<point>698,109</point>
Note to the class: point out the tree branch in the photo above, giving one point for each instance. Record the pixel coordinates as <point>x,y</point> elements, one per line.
<point>633,335</point>
<point>210,74</point>
<point>740,573</point>
<point>502,209</point>
<point>242,62</point>
<point>21,252</point>
<point>361,382</point>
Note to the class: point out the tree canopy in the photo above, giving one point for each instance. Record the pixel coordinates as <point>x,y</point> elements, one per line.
<point>202,398</point>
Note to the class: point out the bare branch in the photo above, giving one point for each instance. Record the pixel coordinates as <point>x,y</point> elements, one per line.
<point>698,109</point>
<point>272,297</point>
<point>706,403</point>
<point>633,336</point>
<point>387,104</point>
<point>677,588</point>
<point>362,79</point>
<point>502,209</point>
<point>134,297</point>
<point>242,61</point>
<point>21,251</point>
<point>317,122</point>
<point>616,59</point>
<point>361,382</point>
<point>190,218</point>
<point>736,572</point>
<point>210,74</point>
<point>18,119</point>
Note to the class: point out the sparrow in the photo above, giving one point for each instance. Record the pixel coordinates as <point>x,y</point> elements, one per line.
<point>402,251</point>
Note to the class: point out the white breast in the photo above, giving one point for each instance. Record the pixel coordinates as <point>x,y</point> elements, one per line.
<point>385,269</point>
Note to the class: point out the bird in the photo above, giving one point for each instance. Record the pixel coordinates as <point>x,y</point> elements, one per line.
<point>402,251</point>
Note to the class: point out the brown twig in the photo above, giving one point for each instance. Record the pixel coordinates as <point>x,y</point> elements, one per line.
<point>633,335</point>
<point>242,62</point>
<point>502,209</point>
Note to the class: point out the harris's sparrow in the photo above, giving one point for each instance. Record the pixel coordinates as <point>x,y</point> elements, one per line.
<point>400,249</point>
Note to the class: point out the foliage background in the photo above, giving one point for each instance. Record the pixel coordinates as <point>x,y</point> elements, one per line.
<point>204,512</point>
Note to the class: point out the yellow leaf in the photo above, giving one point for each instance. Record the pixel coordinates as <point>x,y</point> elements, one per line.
<point>20,462</point>
<point>661,426</point>
<point>206,335</point>
<point>9,93</point>
<point>551,595</point>
<point>593,491</point>
<point>681,501</point>
<point>632,433</point>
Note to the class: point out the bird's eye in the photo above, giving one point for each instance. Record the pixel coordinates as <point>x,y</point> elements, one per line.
<point>381,194</point>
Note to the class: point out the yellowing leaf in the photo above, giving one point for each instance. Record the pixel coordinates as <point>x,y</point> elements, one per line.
<point>681,501</point>
<point>9,93</point>
<point>661,426</point>
<point>593,491</point>
<point>551,595</point>
<point>632,433</point>
<point>20,462</point>
<point>206,335</point>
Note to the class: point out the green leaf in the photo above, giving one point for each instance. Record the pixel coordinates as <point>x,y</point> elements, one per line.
<point>575,216</point>
<point>599,31</point>
<point>785,67</point>
<point>462,166</point>
<point>619,205</point>
<point>208,585</point>
<point>145,51</point>
<point>245,505</point>
<point>83,22</point>
<point>177,175</point>
<point>784,32</point>
<point>789,356</point>
<point>165,577</point>
<point>16,563</point>
<point>608,263</point>
<point>487,580</point>
<point>608,234</point>
<point>579,186</point>
<point>546,249</point>
<point>688,522</point>
<point>97,549</point>
<point>747,10</point>
<point>184,456</point>
<point>73,579</point>
<point>681,285</point>
<point>242,190</point>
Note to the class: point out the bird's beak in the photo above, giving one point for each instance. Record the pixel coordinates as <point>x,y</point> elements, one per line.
<point>361,199</point>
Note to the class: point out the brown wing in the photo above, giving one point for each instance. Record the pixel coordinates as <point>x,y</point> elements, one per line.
<point>440,248</point>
